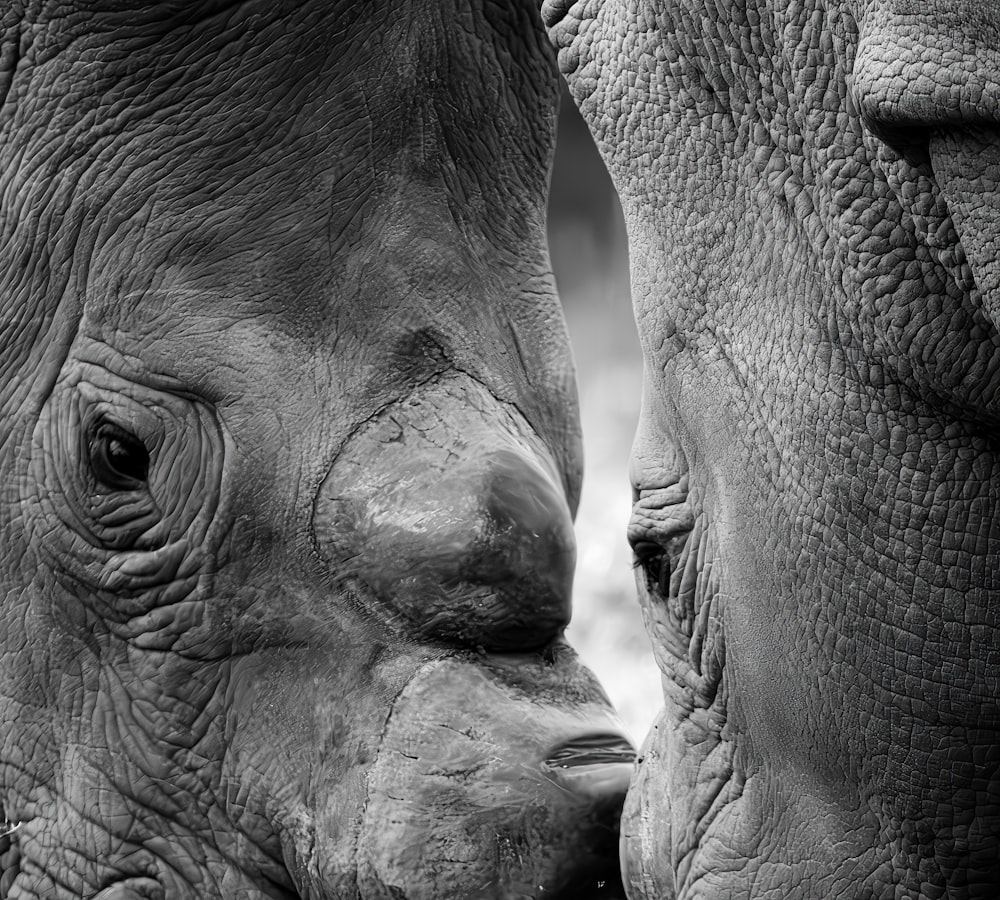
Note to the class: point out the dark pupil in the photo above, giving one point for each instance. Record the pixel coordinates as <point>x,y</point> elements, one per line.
<point>654,560</point>
<point>119,459</point>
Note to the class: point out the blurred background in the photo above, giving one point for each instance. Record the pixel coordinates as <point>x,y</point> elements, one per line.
<point>590,258</point>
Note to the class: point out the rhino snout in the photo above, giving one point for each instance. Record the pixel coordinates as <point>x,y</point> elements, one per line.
<point>450,512</point>
<point>507,771</point>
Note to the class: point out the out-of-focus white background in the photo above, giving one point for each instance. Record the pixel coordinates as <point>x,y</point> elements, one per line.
<point>590,258</point>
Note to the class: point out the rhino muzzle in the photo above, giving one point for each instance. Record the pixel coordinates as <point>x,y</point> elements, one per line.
<point>497,777</point>
<point>500,768</point>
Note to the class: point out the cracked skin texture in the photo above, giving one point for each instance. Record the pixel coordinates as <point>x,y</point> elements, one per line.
<point>245,250</point>
<point>811,194</point>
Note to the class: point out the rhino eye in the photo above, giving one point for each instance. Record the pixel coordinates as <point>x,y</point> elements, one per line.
<point>655,562</point>
<point>118,459</point>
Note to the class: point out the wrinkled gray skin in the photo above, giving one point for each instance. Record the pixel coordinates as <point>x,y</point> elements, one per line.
<point>288,455</point>
<point>811,191</point>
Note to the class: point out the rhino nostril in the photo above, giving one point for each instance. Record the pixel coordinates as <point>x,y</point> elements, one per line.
<point>596,766</point>
<point>592,749</point>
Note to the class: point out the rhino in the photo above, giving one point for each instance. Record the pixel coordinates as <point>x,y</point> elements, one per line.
<point>289,457</point>
<point>811,195</point>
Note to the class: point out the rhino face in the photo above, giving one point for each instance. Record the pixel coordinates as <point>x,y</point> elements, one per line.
<point>290,453</point>
<point>810,188</point>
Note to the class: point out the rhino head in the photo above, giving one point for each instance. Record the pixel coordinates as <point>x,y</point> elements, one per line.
<point>289,458</point>
<point>812,192</point>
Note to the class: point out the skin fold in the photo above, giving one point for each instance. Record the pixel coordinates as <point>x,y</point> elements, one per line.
<point>289,456</point>
<point>810,188</point>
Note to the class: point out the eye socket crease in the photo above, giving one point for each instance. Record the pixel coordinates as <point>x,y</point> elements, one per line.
<point>658,530</point>
<point>119,460</point>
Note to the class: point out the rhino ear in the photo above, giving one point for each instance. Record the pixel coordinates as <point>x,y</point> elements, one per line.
<point>926,81</point>
<point>554,11</point>
<point>928,62</point>
<point>966,166</point>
